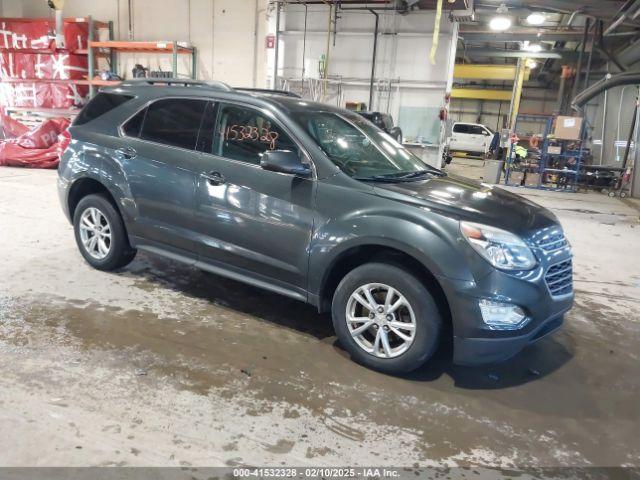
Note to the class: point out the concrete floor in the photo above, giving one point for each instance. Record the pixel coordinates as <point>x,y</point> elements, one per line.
<point>161,364</point>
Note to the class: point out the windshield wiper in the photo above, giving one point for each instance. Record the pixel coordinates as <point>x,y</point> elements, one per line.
<point>421,173</point>
<point>402,177</point>
<point>379,178</point>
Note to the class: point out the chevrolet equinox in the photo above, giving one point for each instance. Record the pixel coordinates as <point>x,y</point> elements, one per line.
<point>316,203</point>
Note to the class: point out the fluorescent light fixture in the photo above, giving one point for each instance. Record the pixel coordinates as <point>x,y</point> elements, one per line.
<point>501,21</point>
<point>532,47</point>
<point>536,18</point>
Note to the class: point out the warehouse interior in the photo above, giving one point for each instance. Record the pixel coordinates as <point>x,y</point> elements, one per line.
<point>510,114</point>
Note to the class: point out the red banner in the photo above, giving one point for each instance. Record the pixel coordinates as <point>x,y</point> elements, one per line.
<point>42,95</point>
<point>30,66</point>
<point>61,66</point>
<point>38,148</point>
<point>38,35</point>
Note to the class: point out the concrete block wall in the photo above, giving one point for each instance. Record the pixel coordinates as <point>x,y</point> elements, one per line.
<point>229,34</point>
<point>494,113</point>
<point>404,43</point>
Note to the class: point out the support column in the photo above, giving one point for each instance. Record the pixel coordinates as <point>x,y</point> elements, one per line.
<point>516,93</point>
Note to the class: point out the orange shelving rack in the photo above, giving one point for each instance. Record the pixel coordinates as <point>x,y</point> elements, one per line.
<point>112,47</point>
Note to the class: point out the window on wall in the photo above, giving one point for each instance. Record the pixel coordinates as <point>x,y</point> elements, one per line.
<point>174,121</point>
<point>244,134</point>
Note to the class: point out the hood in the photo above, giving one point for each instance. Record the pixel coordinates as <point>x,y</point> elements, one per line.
<point>465,199</point>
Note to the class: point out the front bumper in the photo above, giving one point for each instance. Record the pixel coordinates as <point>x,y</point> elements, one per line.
<point>479,351</point>
<point>474,343</point>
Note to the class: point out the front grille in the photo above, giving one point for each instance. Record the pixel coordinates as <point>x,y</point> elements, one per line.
<point>552,241</point>
<point>559,278</point>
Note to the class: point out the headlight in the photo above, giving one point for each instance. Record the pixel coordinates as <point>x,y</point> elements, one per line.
<point>500,248</point>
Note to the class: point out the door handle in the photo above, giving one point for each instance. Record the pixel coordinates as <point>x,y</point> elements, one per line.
<point>126,152</point>
<point>214,178</point>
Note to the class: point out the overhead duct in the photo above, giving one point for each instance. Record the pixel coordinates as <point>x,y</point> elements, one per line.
<point>610,81</point>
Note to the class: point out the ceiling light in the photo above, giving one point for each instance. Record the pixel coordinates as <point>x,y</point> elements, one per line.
<point>501,21</point>
<point>536,18</point>
<point>532,63</point>
<point>533,47</point>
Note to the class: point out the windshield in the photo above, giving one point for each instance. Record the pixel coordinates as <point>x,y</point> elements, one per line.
<point>358,148</point>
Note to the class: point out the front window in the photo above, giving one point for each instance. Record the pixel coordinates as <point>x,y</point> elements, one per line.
<point>358,148</point>
<point>244,134</point>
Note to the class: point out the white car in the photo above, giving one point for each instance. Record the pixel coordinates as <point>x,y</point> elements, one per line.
<point>470,137</point>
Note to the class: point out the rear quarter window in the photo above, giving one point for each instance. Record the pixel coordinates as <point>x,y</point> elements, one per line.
<point>99,105</point>
<point>476,130</point>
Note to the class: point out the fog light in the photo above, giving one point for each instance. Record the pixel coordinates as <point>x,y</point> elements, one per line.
<point>502,316</point>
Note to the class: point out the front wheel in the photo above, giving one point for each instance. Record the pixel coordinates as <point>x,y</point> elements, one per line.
<point>386,318</point>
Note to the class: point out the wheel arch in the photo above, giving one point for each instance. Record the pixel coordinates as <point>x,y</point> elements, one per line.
<point>358,255</point>
<point>86,186</point>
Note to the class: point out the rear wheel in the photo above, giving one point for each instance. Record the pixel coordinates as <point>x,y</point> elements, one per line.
<point>100,234</point>
<point>385,318</point>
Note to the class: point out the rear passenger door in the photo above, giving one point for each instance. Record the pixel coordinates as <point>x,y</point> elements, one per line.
<point>159,162</point>
<point>478,138</point>
<point>255,222</point>
<point>459,137</point>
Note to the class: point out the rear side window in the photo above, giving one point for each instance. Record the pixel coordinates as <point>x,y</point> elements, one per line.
<point>461,128</point>
<point>99,105</point>
<point>205,137</point>
<point>133,126</point>
<point>174,121</point>
<point>476,130</point>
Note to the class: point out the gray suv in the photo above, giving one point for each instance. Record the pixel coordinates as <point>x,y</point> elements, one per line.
<point>316,203</point>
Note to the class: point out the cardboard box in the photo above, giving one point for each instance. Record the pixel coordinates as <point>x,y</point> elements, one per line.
<point>532,179</point>
<point>568,128</point>
<point>515,178</point>
<point>554,150</point>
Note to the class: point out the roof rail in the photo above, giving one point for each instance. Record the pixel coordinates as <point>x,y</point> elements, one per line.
<point>185,82</point>
<point>268,90</point>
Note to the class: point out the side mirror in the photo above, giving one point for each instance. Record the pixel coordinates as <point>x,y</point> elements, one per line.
<point>284,161</point>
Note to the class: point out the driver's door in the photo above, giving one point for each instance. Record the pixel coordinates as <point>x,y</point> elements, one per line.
<point>253,221</point>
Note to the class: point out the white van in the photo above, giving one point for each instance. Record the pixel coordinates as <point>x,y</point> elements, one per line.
<point>470,137</point>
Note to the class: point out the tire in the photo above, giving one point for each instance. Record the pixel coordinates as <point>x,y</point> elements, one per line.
<point>405,356</point>
<point>114,251</point>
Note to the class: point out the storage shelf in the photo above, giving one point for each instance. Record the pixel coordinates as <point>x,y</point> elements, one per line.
<point>142,47</point>
<point>114,47</point>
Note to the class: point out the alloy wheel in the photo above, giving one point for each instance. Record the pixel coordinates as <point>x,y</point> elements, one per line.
<point>380,320</point>
<point>95,233</point>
